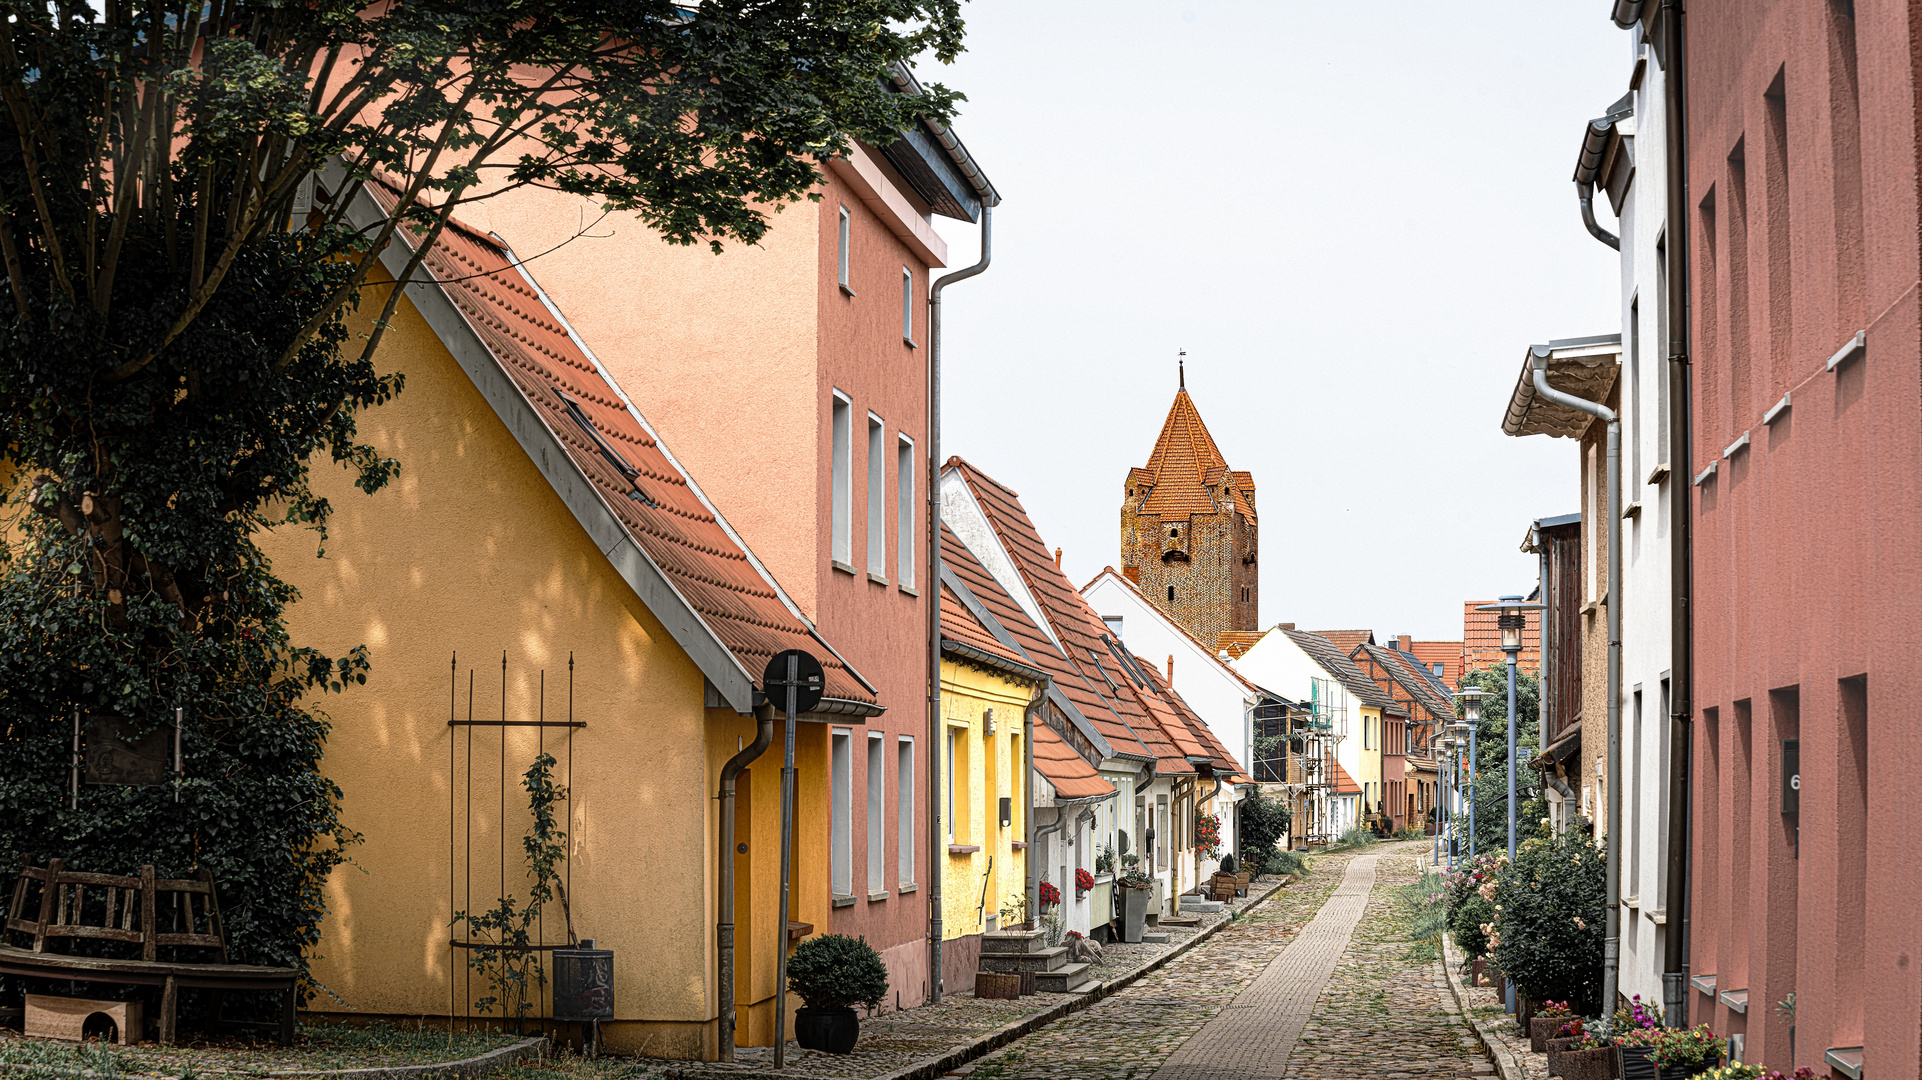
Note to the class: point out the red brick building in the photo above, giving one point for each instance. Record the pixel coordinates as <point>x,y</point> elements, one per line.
<point>1803,169</point>
<point>1482,641</point>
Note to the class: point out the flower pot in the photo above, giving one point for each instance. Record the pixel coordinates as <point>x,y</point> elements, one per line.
<point>1477,972</point>
<point>1596,1064</point>
<point>1539,1029</point>
<point>1636,1064</point>
<point>1134,914</point>
<point>1553,1048</point>
<point>831,1031</point>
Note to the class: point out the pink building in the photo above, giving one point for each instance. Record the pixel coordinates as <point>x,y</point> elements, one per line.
<point>793,377</point>
<point>1802,203</point>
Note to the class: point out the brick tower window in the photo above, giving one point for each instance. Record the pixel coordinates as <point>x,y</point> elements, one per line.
<point>1171,594</point>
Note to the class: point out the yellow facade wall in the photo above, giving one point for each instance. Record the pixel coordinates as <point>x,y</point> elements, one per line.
<point>469,557</point>
<point>985,769</point>
<point>1370,778</point>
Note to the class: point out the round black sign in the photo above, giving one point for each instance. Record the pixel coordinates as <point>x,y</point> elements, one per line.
<point>799,670</point>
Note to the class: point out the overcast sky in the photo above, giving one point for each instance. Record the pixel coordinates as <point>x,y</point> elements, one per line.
<point>1355,217</point>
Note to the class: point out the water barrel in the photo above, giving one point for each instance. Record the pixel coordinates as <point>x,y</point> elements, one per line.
<point>584,983</point>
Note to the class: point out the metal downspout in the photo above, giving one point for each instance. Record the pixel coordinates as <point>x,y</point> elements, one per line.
<point>1027,788</point>
<point>1612,941</point>
<point>724,924</point>
<point>1675,960</point>
<point>933,587</point>
<point>1586,193</point>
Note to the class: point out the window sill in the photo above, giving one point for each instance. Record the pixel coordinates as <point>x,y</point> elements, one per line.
<point>847,291</point>
<point>878,579</point>
<point>798,930</point>
<point>1632,510</point>
<point>909,589</point>
<point>963,849</point>
<point>841,566</point>
<point>906,887</point>
<point>876,897</point>
<point>1656,475</point>
<point>1632,902</point>
<point>1019,845</point>
<point>843,900</point>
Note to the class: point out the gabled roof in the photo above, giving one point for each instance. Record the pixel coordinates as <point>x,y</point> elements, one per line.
<point>606,464</point>
<point>1157,613</point>
<point>1413,679</point>
<point>1336,663</point>
<point>1344,783</point>
<point>1220,758</point>
<point>1118,718</point>
<point>1237,642</point>
<point>1446,653</point>
<point>1346,640</point>
<point>987,611</point>
<point>966,636</point>
<point>1186,467</point>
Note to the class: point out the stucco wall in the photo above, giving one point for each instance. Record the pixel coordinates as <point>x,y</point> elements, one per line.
<point>989,768</point>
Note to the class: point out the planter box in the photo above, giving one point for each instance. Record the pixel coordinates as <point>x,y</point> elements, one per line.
<point>995,984</point>
<point>1636,1065</point>
<point>1134,913</point>
<point>1589,1064</point>
<point>1539,1029</point>
<point>1478,972</point>
<point>1553,1048</point>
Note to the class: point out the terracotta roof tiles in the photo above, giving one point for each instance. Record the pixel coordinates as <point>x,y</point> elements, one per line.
<point>1186,468</point>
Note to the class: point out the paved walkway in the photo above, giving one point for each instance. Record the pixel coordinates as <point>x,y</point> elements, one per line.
<point>1320,982</point>
<point>1254,1035</point>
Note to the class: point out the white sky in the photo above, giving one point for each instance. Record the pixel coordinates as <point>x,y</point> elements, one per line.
<point>1354,216</point>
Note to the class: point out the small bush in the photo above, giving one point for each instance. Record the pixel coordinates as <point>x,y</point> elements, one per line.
<point>1263,822</point>
<point>1548,926</point>
<point>1469,907</point>
<point>1359,836</point>
<point>834,971</point>
<point>1287,862</point>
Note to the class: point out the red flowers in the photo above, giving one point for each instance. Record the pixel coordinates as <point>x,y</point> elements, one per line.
<point>1050,896</point>
<point>1083,880</point>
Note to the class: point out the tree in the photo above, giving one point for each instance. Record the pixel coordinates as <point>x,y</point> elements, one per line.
<point>1263,822</point>
<point>1490,791</point>
<point>176,359</point>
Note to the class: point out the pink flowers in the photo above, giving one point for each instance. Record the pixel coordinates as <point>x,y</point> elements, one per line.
<point>1579,924</point>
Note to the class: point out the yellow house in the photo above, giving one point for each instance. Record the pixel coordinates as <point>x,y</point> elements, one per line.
<point>544,578</point>
<point>1370,774</point>
<point>986,697</point>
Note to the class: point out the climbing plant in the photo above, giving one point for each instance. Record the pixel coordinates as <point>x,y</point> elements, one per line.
<point>501,935</point>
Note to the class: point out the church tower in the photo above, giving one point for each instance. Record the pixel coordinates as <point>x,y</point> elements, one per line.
<point>1188,530</point>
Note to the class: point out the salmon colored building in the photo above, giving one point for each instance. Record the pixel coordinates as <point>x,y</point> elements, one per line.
<point>1804,172</point>
<point>1481,644</point>
<point>792,376</point>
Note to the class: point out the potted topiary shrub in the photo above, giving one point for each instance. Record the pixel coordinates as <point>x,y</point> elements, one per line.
<point>832,974</point>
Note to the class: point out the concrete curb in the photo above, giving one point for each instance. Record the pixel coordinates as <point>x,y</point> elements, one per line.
<point>1002,1036</point>
<point>1505,1062</point>
<point>473,1066</point>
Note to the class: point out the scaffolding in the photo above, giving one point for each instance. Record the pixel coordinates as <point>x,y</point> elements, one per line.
<point>1295,744</point>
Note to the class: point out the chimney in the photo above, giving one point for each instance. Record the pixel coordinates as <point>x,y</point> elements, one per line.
<point>1171,669</point>
<point>1287,626</point>
<point>1407,643</point>
<point>1057,558</point>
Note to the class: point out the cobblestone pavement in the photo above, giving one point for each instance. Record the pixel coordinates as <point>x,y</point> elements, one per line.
<point>1346,997</point>
<point>897,1040</point>
<point>1485,1004</point>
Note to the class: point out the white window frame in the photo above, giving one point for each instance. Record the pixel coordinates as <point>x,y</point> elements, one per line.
<point>951,785</point>
<point>907,305</point>
<point>905,468</point>
<point>904,809</point>
<point>842,253</point>
<point>877,805</point>
<point>842,491</point>
<point>841,824</point>
<point>877,498</point>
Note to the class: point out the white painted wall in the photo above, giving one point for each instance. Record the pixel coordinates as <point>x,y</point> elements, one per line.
<point>1278,665</point>
<point>1645,545</point>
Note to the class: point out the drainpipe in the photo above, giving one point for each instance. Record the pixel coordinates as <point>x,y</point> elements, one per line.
<point>1681,627</point>
<point>724,925</point>
<point>1612,941</point>
<point>933,587</point>
<point>1586,193</point>
<point>1034,871</point>
<point>1027,787</point>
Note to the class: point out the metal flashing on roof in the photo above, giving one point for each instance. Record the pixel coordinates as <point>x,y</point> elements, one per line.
<point>950,148</point>
<point>1001,663</point>
<point>1559,519</point>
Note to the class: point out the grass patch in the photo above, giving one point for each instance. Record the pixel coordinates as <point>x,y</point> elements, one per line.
<point>1424,912</point>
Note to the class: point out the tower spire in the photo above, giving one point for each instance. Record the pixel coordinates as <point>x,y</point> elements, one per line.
<point>1181,367</point>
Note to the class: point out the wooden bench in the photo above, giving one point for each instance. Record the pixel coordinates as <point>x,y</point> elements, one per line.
<point>148,911</point>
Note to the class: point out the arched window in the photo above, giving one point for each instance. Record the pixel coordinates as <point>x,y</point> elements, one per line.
<point>1171,594</point>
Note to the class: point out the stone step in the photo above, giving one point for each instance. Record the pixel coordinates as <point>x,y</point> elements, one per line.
<point>1064,980</point>
<point>1012,941</point>
<point>1154,938</point>
<point>1190,902</point>
<point>1039,960</point>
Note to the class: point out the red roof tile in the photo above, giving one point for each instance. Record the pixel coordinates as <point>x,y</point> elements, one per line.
<point>1237,642</point>
<point>1344,783</point>
<point>1346,640</point>
<point>652,498</point>
<point>1186,468</point>
<point>1482,640</point>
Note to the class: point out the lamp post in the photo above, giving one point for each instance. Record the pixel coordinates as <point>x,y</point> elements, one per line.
<point>1471,723</point>
<point>1444,774</point>
<point>1513,620</point>
<point>1465,738</point>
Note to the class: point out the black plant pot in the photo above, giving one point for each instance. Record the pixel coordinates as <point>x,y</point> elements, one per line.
<point>831,1031</point>
<point>1636,1064</point>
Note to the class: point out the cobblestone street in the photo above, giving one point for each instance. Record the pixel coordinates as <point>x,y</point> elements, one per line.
<point>1318,982</point>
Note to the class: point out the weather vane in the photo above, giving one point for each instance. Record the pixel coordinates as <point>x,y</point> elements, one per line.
<point>1181,367</point>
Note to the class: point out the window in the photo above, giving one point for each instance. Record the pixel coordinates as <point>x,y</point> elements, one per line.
<point>843,257</point>
<point>877,796</point>
<point>950,785</point>
<point>1591,480</point>
<point>842,494</point>
<point>907,305</point>
<point>1113,623</point>
<point>904,469</point>
<point>1171,594</point>
<point>1635,473</point>
<point>904,808</point>
<point>877,497</point>
<point>841,824</point>
<point>1161,832</point>
<point>1661,350</point>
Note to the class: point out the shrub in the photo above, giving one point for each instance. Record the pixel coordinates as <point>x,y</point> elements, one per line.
<point>1547,930</point>
<point>834,971</point>
<point>1359,836</point>
<point>1287,862</point>
<point>1263,822</point>
<point>1469,907</point>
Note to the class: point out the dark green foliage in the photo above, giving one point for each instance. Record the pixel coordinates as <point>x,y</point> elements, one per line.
<point>1287,862</point>
<point>1261,823</point>
<point>834,971</point>
<point>1549,930</point>
<point>1468,909</point>
<point>1491,752</point>
<point>173,359</point>
<point>515,972</point>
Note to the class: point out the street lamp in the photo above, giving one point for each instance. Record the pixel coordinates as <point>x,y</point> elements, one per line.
<point>1444,773</point>
<point>1465,741</point>
<point>1513,620</point>
<point>1470,724</point>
